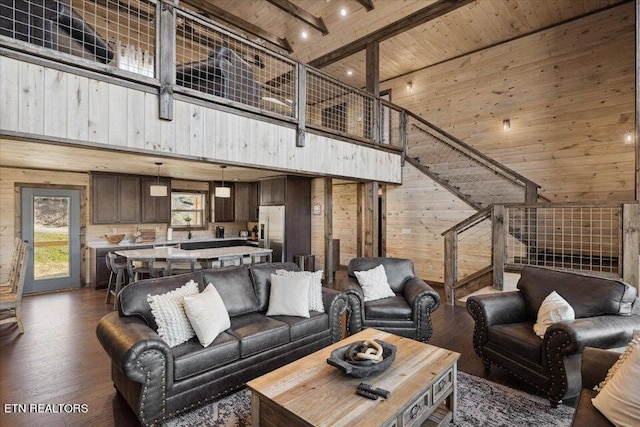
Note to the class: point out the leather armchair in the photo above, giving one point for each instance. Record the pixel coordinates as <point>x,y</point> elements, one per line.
<point>595,365</point>
<point>504,335</point>
<point>407,314</point>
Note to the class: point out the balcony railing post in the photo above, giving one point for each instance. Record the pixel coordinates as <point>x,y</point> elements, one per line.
<point>166,45</point>
<point>630,241</point>
<point>404,138</point>
<point>301,104</point>
<point>498,247</point>
<point>450,265</point>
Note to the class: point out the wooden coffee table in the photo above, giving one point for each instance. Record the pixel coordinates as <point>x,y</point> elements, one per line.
<point>309,392</point>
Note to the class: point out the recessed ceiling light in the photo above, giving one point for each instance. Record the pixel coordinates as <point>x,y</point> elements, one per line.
<point>349,72</point>
<point>343,12</point>
<point>304,34</point>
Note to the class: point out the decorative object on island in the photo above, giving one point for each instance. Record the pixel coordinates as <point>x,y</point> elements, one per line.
<point>114,239</point>
<point>363,358</point>
<point>187,219</point>
<point>222,191</point>
<point>158,190</point>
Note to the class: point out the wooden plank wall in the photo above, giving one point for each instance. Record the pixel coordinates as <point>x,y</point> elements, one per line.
<point>569,93</point>
<point>317,222</point>
<point>417,213</point>
<point>44,102</point>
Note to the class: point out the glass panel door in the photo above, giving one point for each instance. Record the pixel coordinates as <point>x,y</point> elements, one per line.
<point>51,222</point>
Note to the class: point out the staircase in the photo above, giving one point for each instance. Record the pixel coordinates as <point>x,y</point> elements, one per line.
<point>477,179</point>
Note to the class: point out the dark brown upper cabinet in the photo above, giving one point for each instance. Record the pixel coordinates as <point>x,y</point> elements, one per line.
<point>223,208</point>
<point>273,191</point>
<point>247,200</point>
<point>116,199</point>
<point>155,209</point>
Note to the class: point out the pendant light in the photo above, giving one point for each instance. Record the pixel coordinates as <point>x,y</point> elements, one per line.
<point>158,190</point>
<point>222,191</point>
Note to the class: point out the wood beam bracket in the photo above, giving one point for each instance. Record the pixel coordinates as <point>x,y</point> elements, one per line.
<point>368,4</point>
<point>301,15</point>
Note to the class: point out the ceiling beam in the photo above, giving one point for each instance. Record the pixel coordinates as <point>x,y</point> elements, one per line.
<point>301,15</point>
<point>420,17</point>
<point>368,4</point>
<point>206,8</point>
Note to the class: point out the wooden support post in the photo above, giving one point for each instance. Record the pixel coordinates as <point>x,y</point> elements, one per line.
<point>450,266</point>
<point>373,87</point>
<point>329,268</point>
<point>498,245</point>
<point>371,220</point>
<point>630,243</point>
<point>301,106</point>
<point>360,220</point>
<point>166,36</point>
<point>530,193</point>
<point>404,139</point>
<point>383,219</point>
<point>530,237</point>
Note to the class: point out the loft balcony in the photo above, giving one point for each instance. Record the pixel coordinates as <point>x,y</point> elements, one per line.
<point>150,77</point>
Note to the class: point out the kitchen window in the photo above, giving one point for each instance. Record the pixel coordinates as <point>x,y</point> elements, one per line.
<point>188,208</point>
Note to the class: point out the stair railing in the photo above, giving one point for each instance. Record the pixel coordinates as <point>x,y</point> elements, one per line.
<point>594,238</point>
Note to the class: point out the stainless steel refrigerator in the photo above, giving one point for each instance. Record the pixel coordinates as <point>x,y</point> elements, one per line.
<point>271,231</point>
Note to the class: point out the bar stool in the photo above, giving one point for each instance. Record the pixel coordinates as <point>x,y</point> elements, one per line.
<point>138,267</point>
<point>118,268</point>
<point>181,266</point>
<point>230,260</point>
<point>260,258</point>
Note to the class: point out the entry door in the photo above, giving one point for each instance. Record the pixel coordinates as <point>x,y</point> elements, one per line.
<point>51,224</point>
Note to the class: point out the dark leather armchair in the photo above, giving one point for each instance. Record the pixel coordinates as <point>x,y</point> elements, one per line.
<point>407,314</point>
<point>504,334</point>
<point>595,365</point>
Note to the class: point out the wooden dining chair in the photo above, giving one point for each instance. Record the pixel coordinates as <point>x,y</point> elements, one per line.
<point>9,285</point>
<point>11,302</point>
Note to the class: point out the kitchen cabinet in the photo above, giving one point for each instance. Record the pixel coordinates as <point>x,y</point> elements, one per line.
<point>246,201</point>
<point>273,191</point>
<point>116,199</point>
<point>223,208</point>
<point>254,201</point>
<point>155,209</point>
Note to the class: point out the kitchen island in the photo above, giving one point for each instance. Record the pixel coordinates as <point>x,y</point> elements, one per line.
<point>99,273</point>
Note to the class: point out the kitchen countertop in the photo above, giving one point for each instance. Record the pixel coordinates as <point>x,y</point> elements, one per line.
<point>160,241</point>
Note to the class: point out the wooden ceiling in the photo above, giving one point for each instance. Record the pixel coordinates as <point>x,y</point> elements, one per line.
<point>471,26</point>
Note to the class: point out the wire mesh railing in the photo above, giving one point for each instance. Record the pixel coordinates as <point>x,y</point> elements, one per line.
<point>337,107</point>
<point>474,247</point>
<point>119,33</point>
<point>392,130</point>
<point>471,175</point>
<point>216,62</point>
<point>574,237</point>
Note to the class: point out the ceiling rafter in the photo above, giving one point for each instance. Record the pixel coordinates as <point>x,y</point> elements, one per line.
<point>420,17</point>
<point>210,10</point>
<point>301,15</point>
<point>368,4</point>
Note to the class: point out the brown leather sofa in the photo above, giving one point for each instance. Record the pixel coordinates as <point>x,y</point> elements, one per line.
<point>595,365</point>
<point>504,335</point>
<point>158,382</point>
<point>407,314</point>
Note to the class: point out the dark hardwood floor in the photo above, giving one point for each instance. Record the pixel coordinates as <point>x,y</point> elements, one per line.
<point>58,360</point>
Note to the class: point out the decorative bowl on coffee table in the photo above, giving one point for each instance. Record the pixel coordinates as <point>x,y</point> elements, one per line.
<point>359,370</point>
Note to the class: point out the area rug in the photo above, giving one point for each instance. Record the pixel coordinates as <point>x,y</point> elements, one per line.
<point>481,403</point>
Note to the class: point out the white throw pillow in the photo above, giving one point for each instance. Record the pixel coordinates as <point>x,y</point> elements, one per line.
<point>619,398</point>
<point>374,283</point>
<point>315,287</point>
<point>207,314</point>
<point>168,311</point>
<point>289,296</point>
<point>553,309</point>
